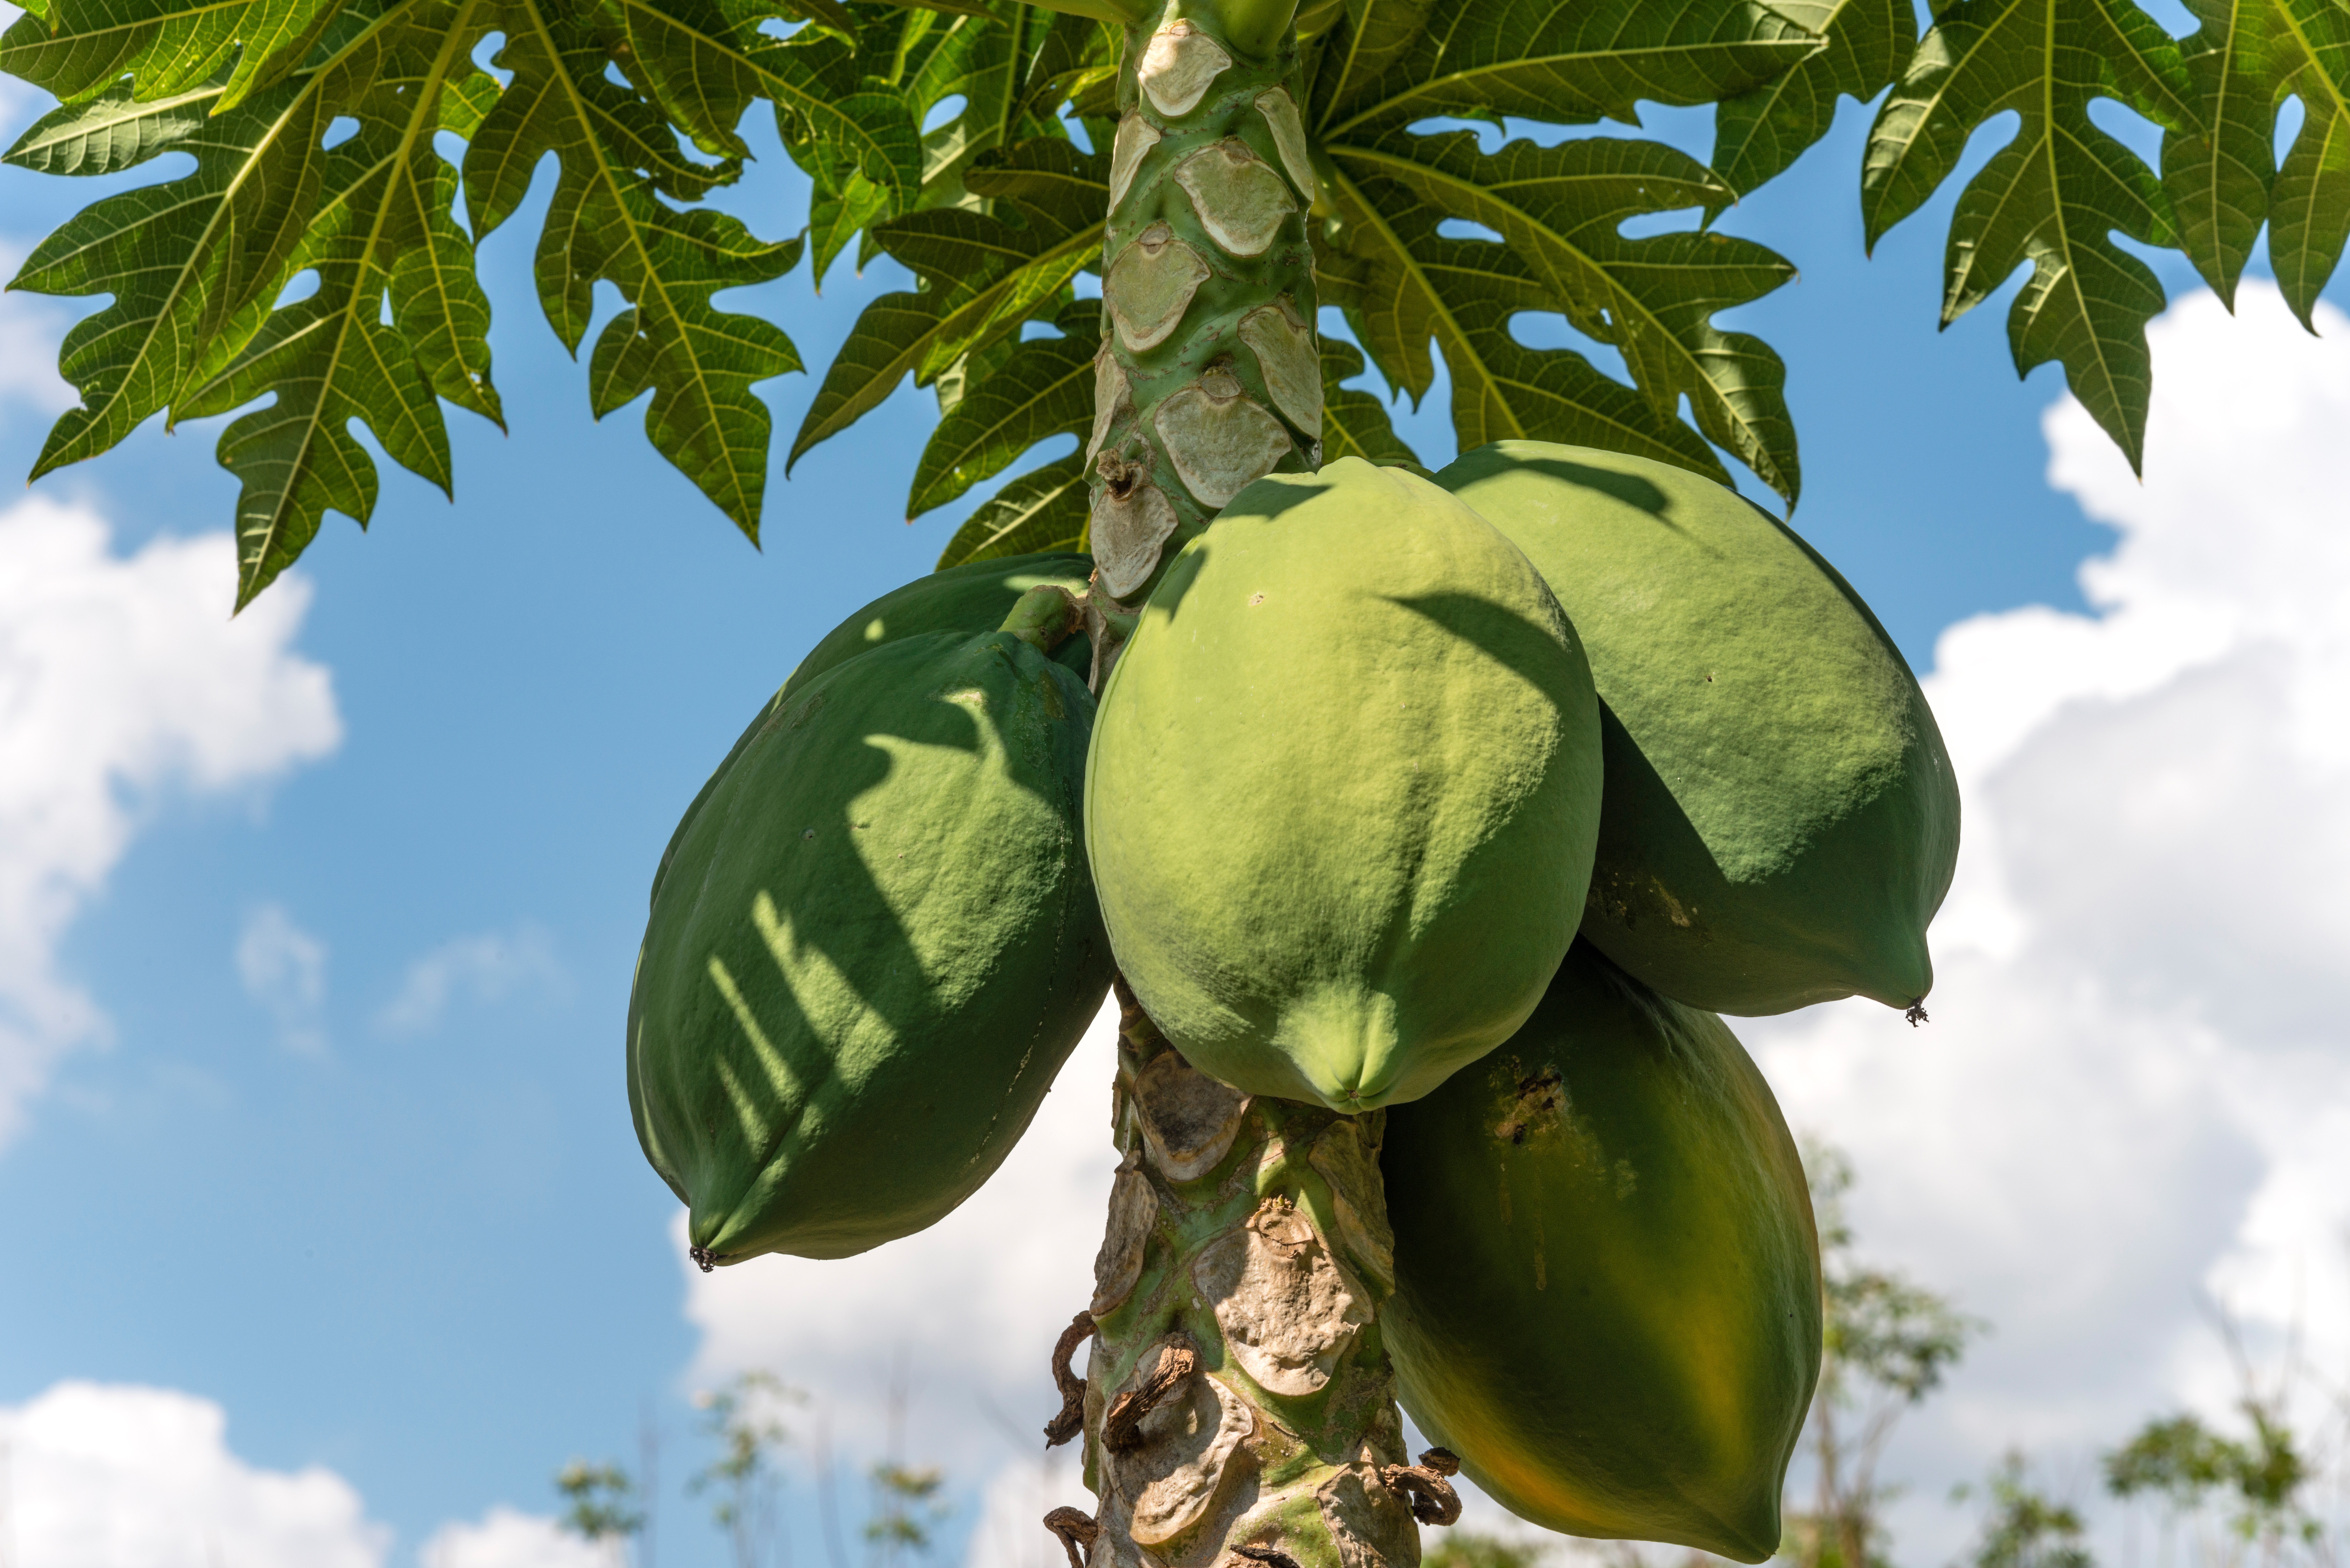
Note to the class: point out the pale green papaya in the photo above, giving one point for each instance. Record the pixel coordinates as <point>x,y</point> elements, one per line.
<point>873,947</point>
<point>1780,820</point>
<point>1607,1281</point>
<point>972,598</point>
<point>1344,790</point>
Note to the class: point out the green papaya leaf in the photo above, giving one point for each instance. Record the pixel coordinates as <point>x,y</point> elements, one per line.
<point>1045,388</point>
<point>1559,212</point>
<point>81,47</point>
<point>2246,59</point>
<point>1354,422</point>
<point>191,263</point>
<point>1044,509</point>
<point>1373,35</point>
<point>1760,133</point>
<point>983,277</point>
<point>606,224</point>
<point>2054,195</point>
<point>397,323</point>
<point>704,68</point>
<point>1570,65</point>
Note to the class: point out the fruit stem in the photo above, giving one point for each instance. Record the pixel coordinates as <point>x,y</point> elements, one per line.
<point>1045,617</point>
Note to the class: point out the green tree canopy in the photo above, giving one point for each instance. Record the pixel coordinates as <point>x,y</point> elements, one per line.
<point>317,129</point>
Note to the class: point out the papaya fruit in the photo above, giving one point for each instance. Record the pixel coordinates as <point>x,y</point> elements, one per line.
<point>1607,1279</point>
<point>1344,790</point>
<point>874,945</point>
<point>972,598</point>
<point>1780,821</point>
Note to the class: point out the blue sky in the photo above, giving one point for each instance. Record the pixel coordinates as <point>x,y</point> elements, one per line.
<point>343,1146</point>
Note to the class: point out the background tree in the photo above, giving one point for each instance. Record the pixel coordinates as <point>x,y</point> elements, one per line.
<point>746,1474</point>
<point>600,1506</point>
<point>745,1419</point>
<point>2024,1527</point>
<point>1889,1344</point>
<point>2248,1494</point>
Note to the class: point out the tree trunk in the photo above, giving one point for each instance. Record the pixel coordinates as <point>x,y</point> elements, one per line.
<point>1210,371</point>
<point>1238,1399</point>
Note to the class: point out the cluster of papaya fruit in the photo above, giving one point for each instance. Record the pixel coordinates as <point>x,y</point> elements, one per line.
<point>1469,802</point>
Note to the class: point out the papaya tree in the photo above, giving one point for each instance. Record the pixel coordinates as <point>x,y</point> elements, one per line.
<point>1422,826</point>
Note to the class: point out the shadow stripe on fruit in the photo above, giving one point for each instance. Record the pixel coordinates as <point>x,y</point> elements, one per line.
<point>874,940</point>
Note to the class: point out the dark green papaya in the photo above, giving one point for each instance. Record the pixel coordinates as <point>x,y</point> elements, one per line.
<point>1344,790</point>
<point>874,943</point>
<point>1607,1281</point>
<point>972,598</point>
<point>1781,821</point>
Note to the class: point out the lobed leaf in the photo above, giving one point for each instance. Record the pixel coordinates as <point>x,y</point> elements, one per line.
<point>982,275</point>
<point>1043,388</point>
<point>397,323</point>
<point>1373,36</point>
<point>2223,179</point>
<point>1570,65</point>
<point>605,223</point>
<point>78,49</point>
<point>1760,133</point>
<point>2054,195</point>
<point>1559,212</point>
<point>706,67</point>
<point>1044,509</point>
<point>188,261</point>
<point>1354,422</point>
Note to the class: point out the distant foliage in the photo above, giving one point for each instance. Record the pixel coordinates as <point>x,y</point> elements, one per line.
<point>2233,1496</point>
<point>1889,1344</point>
<point>2025,1527</point>
<point>755,1454</point>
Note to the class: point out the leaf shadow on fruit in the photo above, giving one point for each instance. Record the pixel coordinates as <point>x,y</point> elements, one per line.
<point>830,924</point>
<point>1526,649</point>
<point>1263,500</point>
<point>1654,875</point>
<point>1271,500</point>
<point>1629,488</point>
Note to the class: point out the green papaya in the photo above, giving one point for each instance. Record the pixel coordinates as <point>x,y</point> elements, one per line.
<point>972,598</point>
<point>1344,790</point>
<point>874,946</point>
<point>1607,1280</point>
<point>1781,821</point>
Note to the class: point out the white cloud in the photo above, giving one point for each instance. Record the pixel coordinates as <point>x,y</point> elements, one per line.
<point>486,968</point>
<point>2135,1093</point>
<point>117,1477</point>
<point>121,677</point>
<point>507,1537</point>
<point>969,1308</point>
<point>283,968</point>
